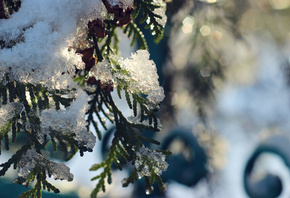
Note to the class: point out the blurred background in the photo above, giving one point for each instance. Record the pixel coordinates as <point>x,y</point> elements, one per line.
<point>225,69</point>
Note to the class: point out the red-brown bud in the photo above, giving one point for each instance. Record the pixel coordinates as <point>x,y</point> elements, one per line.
<point>108,6</point>
<point>88,58</point>
<point>92,80</point>
<point>97,28</point>
<point>122,14</point>
<point>127,17</point>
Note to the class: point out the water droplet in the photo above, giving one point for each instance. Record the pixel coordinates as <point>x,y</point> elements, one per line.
<point>149,190</point>
<point>139,175</point>
<point>124,181</point>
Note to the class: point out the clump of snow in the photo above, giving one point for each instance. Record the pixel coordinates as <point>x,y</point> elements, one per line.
<point>46,29</point>
<point>32,159</point>
<point>155,96</point>
<point>125,3</point>
<point>148,160</point>
<point>80,41</point>
<point>9,111</point>
<point>102,71</point>
<point>140,74</point>
<point>69,121</point>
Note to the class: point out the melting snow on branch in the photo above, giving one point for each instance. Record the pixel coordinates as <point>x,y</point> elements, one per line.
<point>69,121</point>
<point>32,159</point>
<point>161,12</point>
<point>148,160</point>
<point>102,71</point>
<point>7,112</point>
<point>38,46</point>
<point>140,74</point>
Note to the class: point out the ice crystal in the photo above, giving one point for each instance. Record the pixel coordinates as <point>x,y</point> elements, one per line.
<point>33,159</point>
<point>148,160</point>
<point>102,71</point>
<point>7,112</point>
<point>155,96</point>
<point>140,74</point>
<point>69,121</point>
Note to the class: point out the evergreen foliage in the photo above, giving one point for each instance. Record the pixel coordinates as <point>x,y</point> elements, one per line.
<point>26,103</point>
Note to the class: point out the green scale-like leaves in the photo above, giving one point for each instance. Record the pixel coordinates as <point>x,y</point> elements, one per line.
<point>128,134</point>
<point>146,8</point>
<point>127,137</point>
<point>24,102</point>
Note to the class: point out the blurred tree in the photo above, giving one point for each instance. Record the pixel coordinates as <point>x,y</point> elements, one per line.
<point>204,48</point>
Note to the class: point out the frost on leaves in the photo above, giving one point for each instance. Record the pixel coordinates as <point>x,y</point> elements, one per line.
<point>148,160</point>
<point>7,112</point>
<point>160,11</point>
<point>102,72</point>
<point>50,51</point>
<point>69,121</point>
<point>33,159</point>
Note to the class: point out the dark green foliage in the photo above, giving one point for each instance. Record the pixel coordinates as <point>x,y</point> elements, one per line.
<point>97,105</point>
<point>34,100</point>
<point>14,159</point>
<point>160,183</point>
<point>147,7</point>
<point>131,179</point>
<point>66,143</point>
<point>108,44</point>
<point>41,183</point>
<point>132,28</point>
<point>127,137</point>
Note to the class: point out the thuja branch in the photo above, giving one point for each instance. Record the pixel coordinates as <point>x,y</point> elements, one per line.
<point>125,144</point>
<point>39,98</point>
<point>154,15</point>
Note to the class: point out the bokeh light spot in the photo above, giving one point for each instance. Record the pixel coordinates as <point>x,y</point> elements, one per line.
<point>205,30</point>
<point>187,24</point>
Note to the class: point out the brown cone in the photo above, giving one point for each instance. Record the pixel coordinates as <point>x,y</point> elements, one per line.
<point>88,58</point>
<point>97,28</point>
